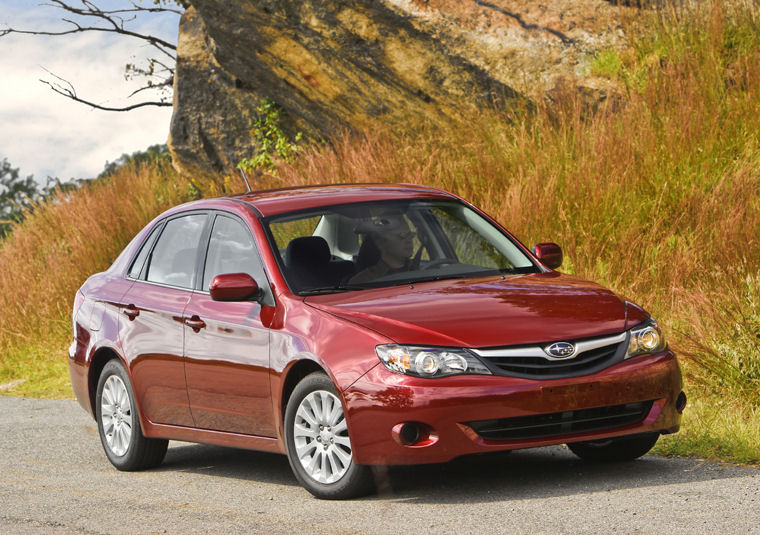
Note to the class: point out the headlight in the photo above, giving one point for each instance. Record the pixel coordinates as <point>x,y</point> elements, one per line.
<point>646,338</point>
<point>429,362</point>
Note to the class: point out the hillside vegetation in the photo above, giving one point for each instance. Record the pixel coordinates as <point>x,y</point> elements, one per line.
<point>656,194</point>
<point>49,255</point>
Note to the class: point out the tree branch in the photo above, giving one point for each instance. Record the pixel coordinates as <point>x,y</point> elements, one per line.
<point>112,18</point>
<point>114,21</point>
<point>160,44</point>
<point>165,83</point>
<point>68,91</point>
<point>155,41</point>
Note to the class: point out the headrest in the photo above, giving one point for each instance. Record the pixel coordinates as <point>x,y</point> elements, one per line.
<point>368,254</point>
<point>383,223</point>
<point>309,250</point>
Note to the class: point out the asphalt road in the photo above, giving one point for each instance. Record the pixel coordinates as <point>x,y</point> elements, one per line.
<point>55,479</point>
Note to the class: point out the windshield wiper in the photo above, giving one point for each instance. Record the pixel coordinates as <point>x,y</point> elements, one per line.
<point>519,270</point>
<point>436,278</point>
<point>333,289</point>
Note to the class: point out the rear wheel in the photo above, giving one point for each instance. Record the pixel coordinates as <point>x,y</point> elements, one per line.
<point>119,423</point>
<point>615,449</point>
<point>318,446</point>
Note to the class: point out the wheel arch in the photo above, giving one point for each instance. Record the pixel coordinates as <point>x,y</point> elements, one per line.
<point>99,360</point>
<point>295,374</point>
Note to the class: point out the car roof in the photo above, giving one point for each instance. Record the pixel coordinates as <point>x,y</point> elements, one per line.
<point>278,201</point>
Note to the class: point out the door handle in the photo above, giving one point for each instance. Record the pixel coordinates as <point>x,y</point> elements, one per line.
<point>131,311</point>
<point>195,323</point>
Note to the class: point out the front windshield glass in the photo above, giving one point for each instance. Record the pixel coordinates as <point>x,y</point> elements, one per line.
<point>369,245</point>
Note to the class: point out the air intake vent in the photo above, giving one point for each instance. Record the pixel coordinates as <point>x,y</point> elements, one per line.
<point>557,424</point>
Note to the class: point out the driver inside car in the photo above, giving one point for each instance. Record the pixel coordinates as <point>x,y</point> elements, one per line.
<point>393,240</point>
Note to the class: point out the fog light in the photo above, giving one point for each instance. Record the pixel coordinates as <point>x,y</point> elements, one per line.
<point>409,433</point>
<point>681,402</point>
<point>414,434</point>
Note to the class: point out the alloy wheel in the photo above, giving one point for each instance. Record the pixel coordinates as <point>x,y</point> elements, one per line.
<point>116,415</point>
<point>321,438</point>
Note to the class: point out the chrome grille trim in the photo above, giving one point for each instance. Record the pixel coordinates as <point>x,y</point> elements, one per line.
<point>538,351</point>
<point>533,362</point>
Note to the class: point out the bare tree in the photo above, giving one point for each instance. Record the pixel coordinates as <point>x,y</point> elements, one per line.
<point>87,16</point>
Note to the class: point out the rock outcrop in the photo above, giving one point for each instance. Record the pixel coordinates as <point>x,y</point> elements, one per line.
<point>333,64</point>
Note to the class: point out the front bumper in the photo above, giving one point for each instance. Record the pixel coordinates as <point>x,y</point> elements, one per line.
<point>381,401</point>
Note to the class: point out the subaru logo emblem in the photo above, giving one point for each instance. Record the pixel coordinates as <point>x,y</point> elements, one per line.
<point>560,350</point>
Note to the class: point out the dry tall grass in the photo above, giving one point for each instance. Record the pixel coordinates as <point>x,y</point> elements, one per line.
<point>655,194</point>
<point>47,257</point>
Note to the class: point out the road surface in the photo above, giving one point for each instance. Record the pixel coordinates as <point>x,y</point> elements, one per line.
<point>55,479</point>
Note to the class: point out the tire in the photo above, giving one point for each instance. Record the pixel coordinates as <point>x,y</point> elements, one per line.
<point>318,446</point>
<point>119,423</point>
<point>615,449</point>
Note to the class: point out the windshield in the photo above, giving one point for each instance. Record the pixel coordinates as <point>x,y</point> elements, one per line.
<point>370,245</point>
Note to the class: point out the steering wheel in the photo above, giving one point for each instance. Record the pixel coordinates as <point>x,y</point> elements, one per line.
<point>439,262</point>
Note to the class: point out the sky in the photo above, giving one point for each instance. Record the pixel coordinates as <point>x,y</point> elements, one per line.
<point>45,134</point>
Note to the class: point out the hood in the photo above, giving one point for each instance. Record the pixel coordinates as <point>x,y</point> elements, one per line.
<point>484,312</point>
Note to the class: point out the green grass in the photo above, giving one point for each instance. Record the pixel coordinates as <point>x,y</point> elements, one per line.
<point>47,257</point>
<point>656,196</point>
<point>715,429</point>
<point>39,371</point>
<point>608,64</point>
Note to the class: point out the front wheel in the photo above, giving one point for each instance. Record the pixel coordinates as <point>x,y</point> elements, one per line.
<point>318,446</point>
<point>615,449</point>
<point>119,425</point>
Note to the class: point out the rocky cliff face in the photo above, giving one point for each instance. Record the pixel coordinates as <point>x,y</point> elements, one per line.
<point>333,64</point>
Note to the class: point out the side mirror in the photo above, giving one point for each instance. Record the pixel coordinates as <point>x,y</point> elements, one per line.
<point>234,287</point>
<point>549,254</point>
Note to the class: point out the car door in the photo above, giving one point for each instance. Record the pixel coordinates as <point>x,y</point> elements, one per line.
<point>227,348</point>
<point>151,328</point>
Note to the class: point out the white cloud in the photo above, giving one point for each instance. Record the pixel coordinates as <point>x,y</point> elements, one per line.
<point>46,134</point>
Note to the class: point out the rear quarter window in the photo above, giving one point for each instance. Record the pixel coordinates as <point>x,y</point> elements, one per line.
<point>139,262</point>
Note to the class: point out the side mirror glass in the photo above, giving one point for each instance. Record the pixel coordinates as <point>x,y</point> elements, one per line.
<point>549,254</point>
<point>234,287</point>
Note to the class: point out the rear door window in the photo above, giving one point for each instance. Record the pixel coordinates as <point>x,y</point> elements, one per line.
<point>174,258</point>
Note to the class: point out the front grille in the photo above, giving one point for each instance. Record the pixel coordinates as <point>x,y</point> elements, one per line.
<point>563,423</point>
<point>541,367</point>
<point>532,362</point>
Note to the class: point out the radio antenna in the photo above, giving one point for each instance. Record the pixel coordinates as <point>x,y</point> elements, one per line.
<point>245,179</point>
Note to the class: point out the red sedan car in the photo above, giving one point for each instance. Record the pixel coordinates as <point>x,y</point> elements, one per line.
<point>359,325</point>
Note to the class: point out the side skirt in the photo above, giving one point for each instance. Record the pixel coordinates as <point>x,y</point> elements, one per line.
<point>218,438</point>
